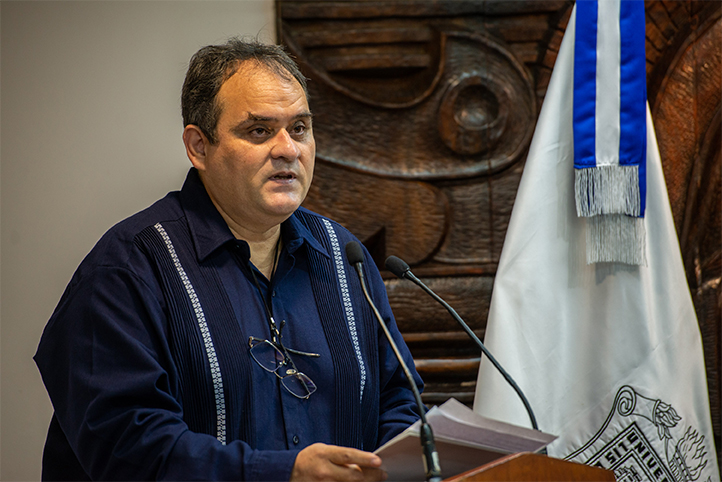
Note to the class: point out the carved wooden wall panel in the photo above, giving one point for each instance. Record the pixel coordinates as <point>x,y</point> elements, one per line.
<point>423,113</point>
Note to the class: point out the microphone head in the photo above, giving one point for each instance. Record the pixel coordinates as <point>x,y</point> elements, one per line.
<point>354,253</point>
<point>397,266</point>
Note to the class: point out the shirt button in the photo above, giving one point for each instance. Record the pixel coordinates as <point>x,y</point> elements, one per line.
<point>274,293</point>
<point>295,439</point>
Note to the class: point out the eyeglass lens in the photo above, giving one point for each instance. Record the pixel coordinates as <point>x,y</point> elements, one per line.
<point>299,384</point>
<point>267,356</point>
<point>272,360</point>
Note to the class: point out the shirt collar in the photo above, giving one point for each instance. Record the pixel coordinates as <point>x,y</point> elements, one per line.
<point>209,230</point>
<point>295,234</point>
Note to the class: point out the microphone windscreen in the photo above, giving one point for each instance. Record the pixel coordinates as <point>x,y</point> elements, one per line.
<point>354,253</point>
<point>397,266</point>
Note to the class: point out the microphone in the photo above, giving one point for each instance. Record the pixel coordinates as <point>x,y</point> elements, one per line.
<point>399,267</point>
<point>355,256</point>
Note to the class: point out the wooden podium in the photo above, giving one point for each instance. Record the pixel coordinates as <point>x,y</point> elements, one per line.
<point>528,467</point>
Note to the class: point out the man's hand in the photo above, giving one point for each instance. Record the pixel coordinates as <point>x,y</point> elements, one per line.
<point>330,462</point>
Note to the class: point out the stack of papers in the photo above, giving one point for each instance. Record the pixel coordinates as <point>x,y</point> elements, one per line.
<point>464,440</point>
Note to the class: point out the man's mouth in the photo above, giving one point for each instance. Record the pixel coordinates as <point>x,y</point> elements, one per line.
<point>283,176</point>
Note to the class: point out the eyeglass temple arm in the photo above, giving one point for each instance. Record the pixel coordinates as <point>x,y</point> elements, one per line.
<point>302,353</point>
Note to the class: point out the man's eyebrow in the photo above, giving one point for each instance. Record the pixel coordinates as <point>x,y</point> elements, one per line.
<point>259,118</point>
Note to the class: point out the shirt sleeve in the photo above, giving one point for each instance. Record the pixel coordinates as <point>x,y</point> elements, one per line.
<point>398,407</point>
<point>106,363</point>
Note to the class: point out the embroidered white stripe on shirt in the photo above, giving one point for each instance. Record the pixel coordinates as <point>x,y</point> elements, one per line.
<point>205,333</point>
<point>346,299</point>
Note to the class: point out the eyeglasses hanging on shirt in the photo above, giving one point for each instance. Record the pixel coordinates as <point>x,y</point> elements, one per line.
<point>275,358</point>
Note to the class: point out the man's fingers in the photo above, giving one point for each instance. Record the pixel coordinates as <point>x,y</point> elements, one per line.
<point>349,456</point>
<point>328,462</point>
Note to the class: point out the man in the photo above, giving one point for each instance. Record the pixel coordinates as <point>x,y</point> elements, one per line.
<point>220,334</point>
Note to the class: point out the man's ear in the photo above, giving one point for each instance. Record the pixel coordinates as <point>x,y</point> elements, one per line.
<point>196,146</point>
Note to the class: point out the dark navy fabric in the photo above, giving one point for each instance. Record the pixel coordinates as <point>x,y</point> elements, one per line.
<point>128,373</point>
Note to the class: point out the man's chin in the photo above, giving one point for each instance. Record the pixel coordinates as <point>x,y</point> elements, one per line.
<point>284,204</point>
<point>283,211</point>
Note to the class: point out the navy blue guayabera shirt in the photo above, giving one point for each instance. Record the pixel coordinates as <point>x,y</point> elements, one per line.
<point>146,359</point>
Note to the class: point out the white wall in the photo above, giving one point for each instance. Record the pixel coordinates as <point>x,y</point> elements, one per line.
<point>90,132</point>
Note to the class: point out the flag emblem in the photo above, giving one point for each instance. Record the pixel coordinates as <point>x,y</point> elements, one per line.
<point>645,439</point>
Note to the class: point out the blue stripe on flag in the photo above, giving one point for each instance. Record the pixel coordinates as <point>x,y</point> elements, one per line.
<point>585,90</point>
<point>633,92</point>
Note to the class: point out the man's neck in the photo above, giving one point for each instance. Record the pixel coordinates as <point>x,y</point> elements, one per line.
<point>264,242</point>
<point>264,246</point>
<point>265,252</point>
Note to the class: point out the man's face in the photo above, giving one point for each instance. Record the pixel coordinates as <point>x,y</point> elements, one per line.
<point>259,171</point>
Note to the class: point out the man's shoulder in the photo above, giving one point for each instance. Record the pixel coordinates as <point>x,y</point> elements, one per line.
<point>118,244</point>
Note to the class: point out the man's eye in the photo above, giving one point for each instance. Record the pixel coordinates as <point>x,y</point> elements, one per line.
<point>259,131</point>
<point>299,129</point>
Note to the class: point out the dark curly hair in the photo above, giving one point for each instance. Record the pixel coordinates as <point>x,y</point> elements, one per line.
<point>211,66</point>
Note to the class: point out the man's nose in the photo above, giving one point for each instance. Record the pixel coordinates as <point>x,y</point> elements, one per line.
<point>285,147</point>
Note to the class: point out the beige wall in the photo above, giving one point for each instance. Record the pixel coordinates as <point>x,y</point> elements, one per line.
<point>90,133</point>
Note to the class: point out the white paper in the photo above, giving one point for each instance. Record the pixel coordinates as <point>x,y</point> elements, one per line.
<point>464,440</point>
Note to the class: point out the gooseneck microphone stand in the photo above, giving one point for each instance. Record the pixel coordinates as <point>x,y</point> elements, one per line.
<point>399,267</point>
<point>354,253</point>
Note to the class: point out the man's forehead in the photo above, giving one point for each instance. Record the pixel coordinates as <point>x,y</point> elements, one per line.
<point>253,69</point>
<point>254,81</point>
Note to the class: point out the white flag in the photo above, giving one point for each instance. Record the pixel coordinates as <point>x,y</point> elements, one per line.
<point>609,355</point>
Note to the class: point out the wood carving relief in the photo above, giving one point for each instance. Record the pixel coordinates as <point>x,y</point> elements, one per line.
<point>423,114</point>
